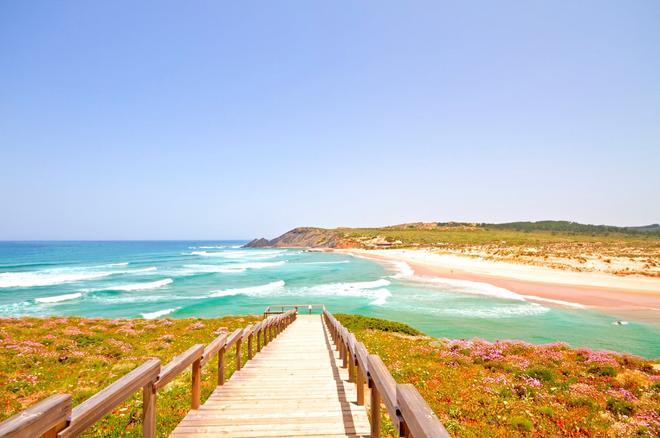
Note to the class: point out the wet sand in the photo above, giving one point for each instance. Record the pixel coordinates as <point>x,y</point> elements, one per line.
<point>632,297</point>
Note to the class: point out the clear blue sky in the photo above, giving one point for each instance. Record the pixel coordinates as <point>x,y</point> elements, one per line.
<point>124,119</point>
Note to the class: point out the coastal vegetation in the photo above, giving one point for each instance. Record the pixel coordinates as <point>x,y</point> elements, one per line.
<point>513,388</point>
<point>476,387</point>
<point>556,244</point>
<point>80,356</point>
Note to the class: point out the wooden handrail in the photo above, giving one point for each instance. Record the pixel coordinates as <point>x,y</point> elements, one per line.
<point>407,409</point>
<point>213,348</point>
<point>178,364</point>
<point>381,380</point>
<point>294,307</point>
<point>420,418</point>
<point>48,416</point>
<point>98,405</point>
<point>233,337</point>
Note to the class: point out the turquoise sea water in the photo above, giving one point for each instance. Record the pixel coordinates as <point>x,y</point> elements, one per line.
<point>207,279</point>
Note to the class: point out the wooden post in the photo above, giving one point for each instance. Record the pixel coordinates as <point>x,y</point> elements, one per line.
<point>351,367</point>
<point>404,432</point>
<point>52,432</point>
<point>196,383</point>
<point>238,354</point>
<point>249,355</point>
<point>345,355</point>
<point>149,410</point>
<point>259,340</point>
<point>221,366</point>
<point>360,385</point>
<point>375,410</point>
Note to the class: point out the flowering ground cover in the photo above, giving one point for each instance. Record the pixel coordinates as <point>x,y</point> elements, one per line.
<point>477,388</point>
<point>77,356</point>
<point>509,388</point>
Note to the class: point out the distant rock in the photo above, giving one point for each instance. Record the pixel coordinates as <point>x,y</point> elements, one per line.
<point>258,243</point>
<point>303,237</point>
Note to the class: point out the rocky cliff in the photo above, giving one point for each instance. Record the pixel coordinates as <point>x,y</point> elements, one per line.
<point>303,237</point>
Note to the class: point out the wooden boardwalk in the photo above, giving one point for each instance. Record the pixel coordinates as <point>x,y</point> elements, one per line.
<point>295,386</point>
<point>309,378</point>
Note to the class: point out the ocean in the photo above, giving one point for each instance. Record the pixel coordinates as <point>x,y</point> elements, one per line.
<point>180,279</point>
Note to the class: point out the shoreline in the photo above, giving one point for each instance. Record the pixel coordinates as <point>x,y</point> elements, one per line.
<point>628,297</point>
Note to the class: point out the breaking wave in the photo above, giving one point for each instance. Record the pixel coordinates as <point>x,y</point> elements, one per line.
<point>339,262</point>
<point>159,313</point>
<point>404,270</point>
<point>559,302</point>
<point>47,278</point>
<point>58,298</point>
<point>264,289</point>
<point>141,286</point>
<point>470,287</point>
<point>498,312</point>
<point>52,277</point>
<point>240,254</point>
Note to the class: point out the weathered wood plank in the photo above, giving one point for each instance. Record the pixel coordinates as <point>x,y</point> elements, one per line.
<point>38,418</point>
<point>170,371</point>
<point>419,418</point>
<point>213,348</point>
<point>385,385</point>
<point>97,406</point>
<point>233,337</point>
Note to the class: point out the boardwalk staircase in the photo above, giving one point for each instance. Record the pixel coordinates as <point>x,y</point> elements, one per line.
<point>303,375</point>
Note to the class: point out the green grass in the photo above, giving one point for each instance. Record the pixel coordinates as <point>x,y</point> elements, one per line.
<point>358,322</point>
<point>467,235</point>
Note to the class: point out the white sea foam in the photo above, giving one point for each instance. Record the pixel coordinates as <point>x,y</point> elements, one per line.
<point>553,301</point>
<point>382,282</point>
<point>159,313</point>
<point>338,262</point>
<point>232,268</point>
<point>381,297</point>
<point>497,312</point>
<point>47,277</point>
<point>55,276</point>
<point>257,265</point>
<point>138,271</point>
<point>264,289</point>
<point>258,254</point>
<point>58,298</point>
<point>18,309</point>
<point>374,290</point>
<point>404,270</point>
<point>470,287</point>
<point>197,269</point>
<point>141,286</point>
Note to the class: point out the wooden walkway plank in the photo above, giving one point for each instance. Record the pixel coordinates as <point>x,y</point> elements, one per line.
<point>294,386</point>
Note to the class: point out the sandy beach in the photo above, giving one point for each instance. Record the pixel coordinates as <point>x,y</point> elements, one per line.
<point>624,296</point>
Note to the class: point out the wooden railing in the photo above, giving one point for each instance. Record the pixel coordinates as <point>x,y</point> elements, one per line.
<point>300,308</point>
<point>53,417</point>
<point>408,411</point>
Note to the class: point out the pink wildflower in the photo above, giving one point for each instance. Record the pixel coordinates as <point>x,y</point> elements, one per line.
<point>72,331</point>
<point>531,381</point>
<point>487,351</point>
<point>501,380</point>
<point>598,357</point>
<point>196,326</point>
<point>622,394</point>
